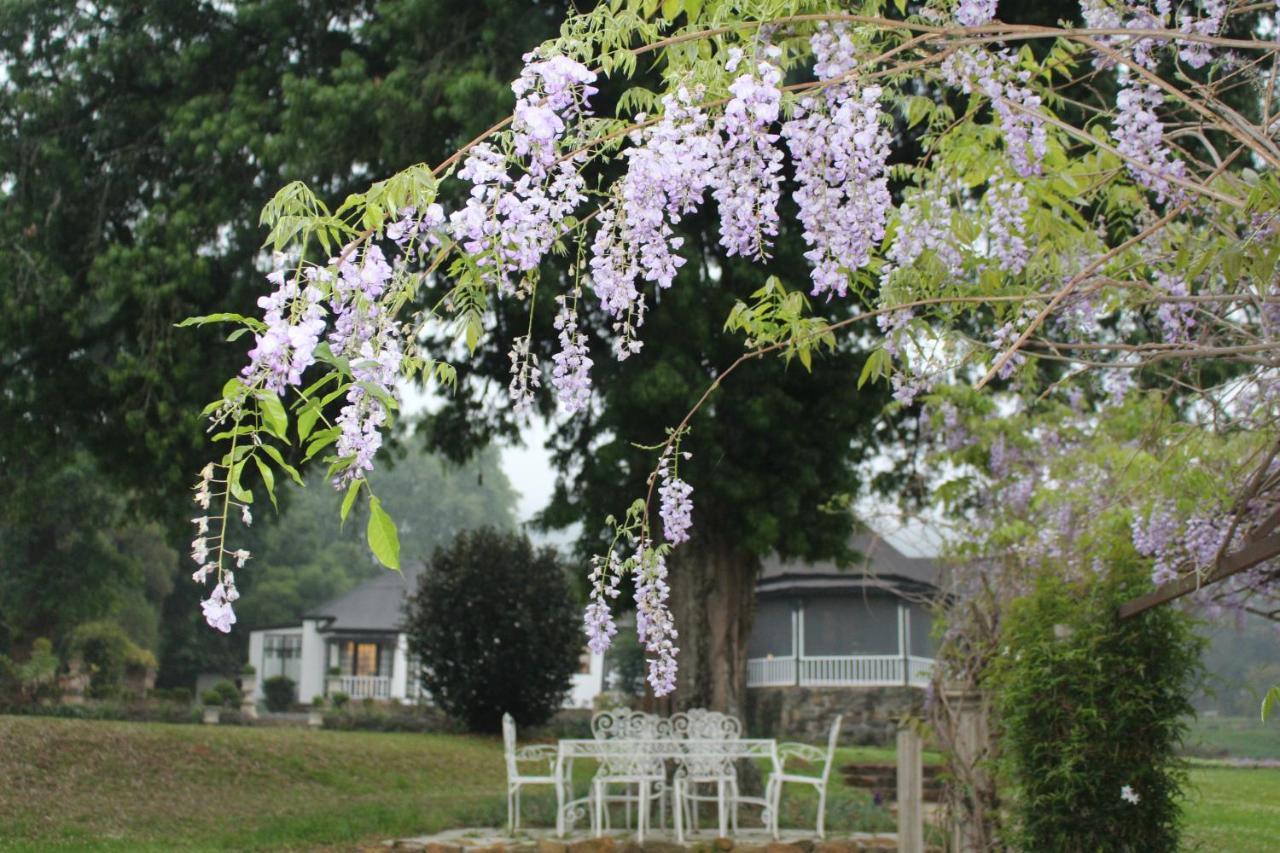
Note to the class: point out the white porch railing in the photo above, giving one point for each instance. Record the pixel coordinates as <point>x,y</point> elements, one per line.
<point>838,671</point>
<point>364,686</point>
<point>770,672</point>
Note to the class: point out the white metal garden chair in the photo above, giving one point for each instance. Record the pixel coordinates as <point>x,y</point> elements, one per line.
<point>641,776</point>
<point>517,780</point>
<point>780,776</point>
<point>705,765</point>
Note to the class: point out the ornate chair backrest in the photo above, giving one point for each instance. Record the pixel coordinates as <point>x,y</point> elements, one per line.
<point>708,734</point>
<point>621,727</point>
<point>832,739</point>
<point>623,723</point>
<point>509,744</point>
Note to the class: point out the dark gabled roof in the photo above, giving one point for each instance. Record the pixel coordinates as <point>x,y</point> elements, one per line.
<point>881,565</point>
<point>375,605</point>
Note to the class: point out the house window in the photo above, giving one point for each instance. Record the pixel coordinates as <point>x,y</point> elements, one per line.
<point>282,655</point>
<point>771,632</point>
<point>363,657</point>
<point>921,632</point>
<point>851,625</point>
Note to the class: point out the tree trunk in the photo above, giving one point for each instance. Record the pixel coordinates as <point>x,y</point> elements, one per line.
<point>713,600</point>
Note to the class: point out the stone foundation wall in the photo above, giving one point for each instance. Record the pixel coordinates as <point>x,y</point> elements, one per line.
<point>871,714</point>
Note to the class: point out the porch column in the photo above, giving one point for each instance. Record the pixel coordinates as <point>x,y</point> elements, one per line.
<point>904,641</point>
<point>400,667</point>
<point>797,640</point>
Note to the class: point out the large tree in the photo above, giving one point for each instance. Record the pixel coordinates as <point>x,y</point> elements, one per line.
<point>138,141</point>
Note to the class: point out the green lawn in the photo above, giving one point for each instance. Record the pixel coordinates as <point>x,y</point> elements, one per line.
<point>74,784</point>
<point>1238,737</point>
<point>1233,809</point>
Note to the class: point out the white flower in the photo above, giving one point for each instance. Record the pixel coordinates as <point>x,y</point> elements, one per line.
<point>245,515</point>
<point>1129,795</point>
<point>201,523</point>
<point>240,556</point>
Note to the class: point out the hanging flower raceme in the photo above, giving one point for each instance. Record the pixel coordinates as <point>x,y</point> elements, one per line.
<point>1008,205</point>
<point>571,373</point>
<point>668,172</point>
<point>1139,136</point>
<point>749,172</point>
<point>840,147</point>
<point>367,336</point>
<point>507,224</point>
<point>605,578</point>
<point>1017,107</point>
<point>295,318</point>
<point>655,626</point>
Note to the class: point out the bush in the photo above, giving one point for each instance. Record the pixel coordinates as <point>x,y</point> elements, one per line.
<point>211,698</point>
<point>180,695</point>
<point>1088,706</point>
<point>228,694</point>
<point>108,654</point>
<point>496,629</point>
<point>278,692</point>
<point>339,699</point>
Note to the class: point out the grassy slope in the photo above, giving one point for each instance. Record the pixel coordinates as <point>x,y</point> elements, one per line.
<point>1233,809</point>
<point>74,784</point>
<point>1239,737</point>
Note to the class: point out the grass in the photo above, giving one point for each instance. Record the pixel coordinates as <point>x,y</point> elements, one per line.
<point>1233,808</point>
<point>93,785</point>
<point>1237,737</point>
<point>97,785</point>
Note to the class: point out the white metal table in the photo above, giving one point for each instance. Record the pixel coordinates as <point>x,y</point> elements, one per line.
<point>682,752</point>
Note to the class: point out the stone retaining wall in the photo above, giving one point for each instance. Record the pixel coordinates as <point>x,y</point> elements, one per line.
<point>871,714</point>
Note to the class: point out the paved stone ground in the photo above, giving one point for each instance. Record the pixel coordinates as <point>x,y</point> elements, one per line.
<point>485,840</point>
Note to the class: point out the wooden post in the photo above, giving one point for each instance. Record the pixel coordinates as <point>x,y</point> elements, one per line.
<point>910,792</point>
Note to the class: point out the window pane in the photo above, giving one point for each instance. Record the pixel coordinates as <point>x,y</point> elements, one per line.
<point>851,625</point>
<point>366,659</point>
<point>921,627</point>
<point>771,633</point>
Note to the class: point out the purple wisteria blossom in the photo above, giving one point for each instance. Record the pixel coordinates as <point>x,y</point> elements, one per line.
<point>1006,229</point>
<point>996,75</point>
<point>525,376</point>
<point>749,172</point>
<point>925,224</point>
<point>655,626</point>
<point>295,318</point>
<point>571,374</point>
<point>1139,136</point>
<point>975,13</point>
<point>676,509</point>
<point>668,173</point>
<point>840,146</point>
<point>1176,318</point>
<point>508,224</point>
<point>367,336</point>
<point>1199,54</point>
<point>217,608</point>
<point>605,577</point>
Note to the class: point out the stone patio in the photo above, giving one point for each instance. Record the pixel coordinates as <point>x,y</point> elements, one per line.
<point>485,840</point>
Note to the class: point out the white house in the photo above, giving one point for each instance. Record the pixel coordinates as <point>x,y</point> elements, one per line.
<point>360,634</point>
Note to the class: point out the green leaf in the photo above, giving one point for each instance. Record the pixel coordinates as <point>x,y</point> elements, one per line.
<point>268,478</point>
<point>321,440</point>
<point>352,491</point>
<point>239,492</point>
<point>306,421</point>
<point>274,417</point>
<point>1269,702</point>
<point>382,535</point>
<point>285,466</point>
<point>671,8</point>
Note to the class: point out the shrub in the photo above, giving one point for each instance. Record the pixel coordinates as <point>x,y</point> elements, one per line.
<point>496,629</point>
<point>278,692</point>
<point>339,699</point>
<point>229,695</point>
<point>108,654</point>
<point>211,698</point>
<point>180,695</point>
<point>249,669</point>
<point>1088,706</point>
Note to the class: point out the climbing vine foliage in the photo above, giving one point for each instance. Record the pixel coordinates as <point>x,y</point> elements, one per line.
<point>1056,209</point>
